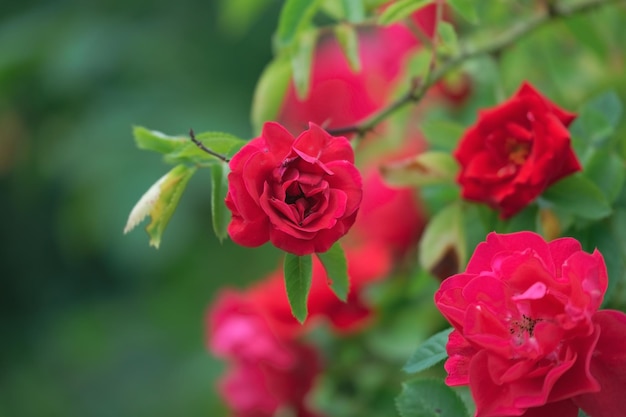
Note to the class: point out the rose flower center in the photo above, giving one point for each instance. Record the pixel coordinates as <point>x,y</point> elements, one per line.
<point>517,151</point>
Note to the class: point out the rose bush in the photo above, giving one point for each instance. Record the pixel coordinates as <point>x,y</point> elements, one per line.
<point>528,337</point>
<point>514,151</point>
<point>301,194</point>
<point>267,372</point>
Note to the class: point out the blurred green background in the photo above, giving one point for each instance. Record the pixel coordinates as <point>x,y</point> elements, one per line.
<point>92,322</point>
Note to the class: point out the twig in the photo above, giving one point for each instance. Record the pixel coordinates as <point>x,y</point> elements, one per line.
<point>494,47</point>
<point>200,145</point>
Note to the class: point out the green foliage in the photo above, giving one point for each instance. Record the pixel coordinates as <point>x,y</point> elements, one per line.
<point>429,398</point>
<point>427,168</point>
<point>219,188</point>
<point>295,17</point>
<point>466,8</point>
<point>301,58</point>
<point>579,196</point>
<point>298,272</point>
<point>430,353</point>
<point>349,42</point>
<point>270,91</point>
<point>444,233</point>
<point>449,43</point>
<point>334,261</point>
<point>401,9</point>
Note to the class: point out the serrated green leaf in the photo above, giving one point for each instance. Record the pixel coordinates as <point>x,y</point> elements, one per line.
<point>427,168</point>
<point>220,215</point>
<point>295,16</point>
<point>400,10</point>
<point>577,195</point>
<point>449,41</point>
<point>298,272</point>
<point>429,398</point>
<point>301,60</point>
<point>466,8</point>
<point>349,42</point>
<point>442,134</point>
<point>153,140</point>
<point>431,352</point>
<point>336,266</point>
<point>221,143</point>
<point>160,202</point>
<point>270,91</point>
<point>354,11</point>
<point>444,232</point>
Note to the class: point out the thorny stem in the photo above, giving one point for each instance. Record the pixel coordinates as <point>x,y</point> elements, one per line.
<point>200,145</point>
<point>495,47</point>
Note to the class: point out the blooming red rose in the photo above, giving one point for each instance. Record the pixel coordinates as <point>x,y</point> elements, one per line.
<point>528,337</point>
<point>301,194</point>
<point>514,151</point>
<point>267,373</point>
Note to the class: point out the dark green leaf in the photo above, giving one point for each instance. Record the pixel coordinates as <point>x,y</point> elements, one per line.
<point>295,16</point>
<point>270,91</point>
<point>349,42</point>
<point>596,123</point>
<point>298,274</point>
<point>400,10</point>
<point>221,216</point>
<point>334,261</point>
<point>579,196</point>
<point>431,352</point>
<point>603,236</point>
<point>429,398</point>
<point>607,170</point>
<point>466,8</point>
<point>301,59</point>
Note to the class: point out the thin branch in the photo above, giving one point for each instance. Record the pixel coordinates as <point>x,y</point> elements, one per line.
<point>418,89</point>
<point>200,145</point>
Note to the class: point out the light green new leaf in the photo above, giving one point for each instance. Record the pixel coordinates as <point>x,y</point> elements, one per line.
<point>336,266</point>
<point>153,140</point>
<point>298,272</point>
<point>442,134</point>
<point>444,232</point>
<point>429,398</point>
<point>221,215</point>
<point>354,11</point>
<point>295,16</point>
<point>160,202</point>
<point>579,196</point>
<point>427,168</point>
<point>222,143</point>
<point>349,42</point>
<point>301,59</point>
<point>431,352</point>
<point>449,41</point>
<point>466,8</point>
<point>270,91</point>
<point>400,10</point>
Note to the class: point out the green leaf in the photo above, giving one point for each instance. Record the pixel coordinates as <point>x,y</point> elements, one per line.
<point>442,134</point>
<point>603,236</point>
<point>295,16</point>
<point>336,266</point>
<point>466,8</point>
<point>189,153</point>
<point>400,10</point>
<point>584,29</point>
<point>221,216</point>
<point>429,398</point>
<point>443,233</point>
<point>354,11</point>
<point>298,274</point>
<point>349,42</point>
<point>160,202</point>
<point>237,16</point>
<point>270,91</point>
<point>427,168</point>
<point>153,140</point>
<point>301,60</point>
<point>579,196</point>
<point>450,42</point>
<point>607,170</point>
<point>596,123</point>
<point>431,352</point>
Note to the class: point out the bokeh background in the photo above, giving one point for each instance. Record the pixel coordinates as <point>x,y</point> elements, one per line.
<point>92,322</point>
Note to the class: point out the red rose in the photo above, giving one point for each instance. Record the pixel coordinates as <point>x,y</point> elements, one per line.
<point>267,372</point>
<point>301,194</point>
<point>514,151</point>
<point>528,337</point>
